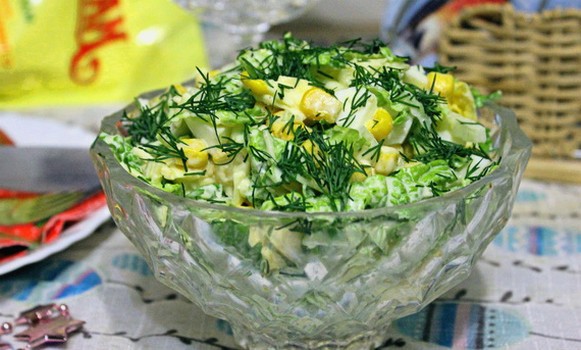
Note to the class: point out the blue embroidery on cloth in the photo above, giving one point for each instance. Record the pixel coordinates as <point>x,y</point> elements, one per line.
<point>132,262</point>
<point>49,280</point>
<point>464,326</point>
<point>524,196</point>
<point>539,240</point>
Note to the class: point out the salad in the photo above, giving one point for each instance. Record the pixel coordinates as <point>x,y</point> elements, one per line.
<point>289,176</point>
<point>290,126</point>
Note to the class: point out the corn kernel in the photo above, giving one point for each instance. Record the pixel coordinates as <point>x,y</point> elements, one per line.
<point>358,177</point>
<point>462,101</point>
<point>387,162</point>
<point>369,171</point>
<point>194,150</point>
<point>283,129</point>
<point>318,104</point>
<point>380,125</point>
<point>442,83</point>
<point>258,87</point>
<point>310,148</point>
<point>218,156</point>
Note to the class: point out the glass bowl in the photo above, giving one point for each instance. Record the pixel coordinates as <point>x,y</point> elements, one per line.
<point>358,271</point>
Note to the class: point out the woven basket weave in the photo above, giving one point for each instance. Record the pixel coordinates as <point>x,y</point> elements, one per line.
<point>535,60</point>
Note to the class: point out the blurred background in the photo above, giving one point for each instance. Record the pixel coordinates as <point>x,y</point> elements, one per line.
<point>336,20</point>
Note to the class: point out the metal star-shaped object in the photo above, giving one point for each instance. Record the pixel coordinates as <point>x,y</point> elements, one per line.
<point>53,330</point>
<point>6,328</point>
<point>37,313</point>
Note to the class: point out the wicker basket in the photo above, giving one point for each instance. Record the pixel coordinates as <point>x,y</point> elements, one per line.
<point>535,60</point>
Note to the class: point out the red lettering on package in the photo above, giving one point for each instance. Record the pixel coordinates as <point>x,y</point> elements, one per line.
<point>99,23</point>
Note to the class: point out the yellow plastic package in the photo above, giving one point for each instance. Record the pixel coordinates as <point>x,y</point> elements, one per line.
<point>71,52</point>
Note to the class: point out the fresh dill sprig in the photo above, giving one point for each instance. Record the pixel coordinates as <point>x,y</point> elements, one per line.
<point>326,165</point>
<point>430,101</point>
<point>290,163</point>
<point>292,201</point>
<point>390,80</point>
<point>229,146</point>
<point>375,151</point>
<point>475,173</point>
<point>212,96</point>
<point>296,58</point>
<point>144,126</point>
<point>151,129</point>
<point>334,165</point>
<point>259,154</point>
<point>429,146</point>
<point>359,100</point>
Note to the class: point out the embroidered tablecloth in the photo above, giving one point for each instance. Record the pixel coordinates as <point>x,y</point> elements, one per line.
<point>524,293</point>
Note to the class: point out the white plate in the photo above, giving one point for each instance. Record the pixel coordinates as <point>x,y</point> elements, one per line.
<point>29,131</point>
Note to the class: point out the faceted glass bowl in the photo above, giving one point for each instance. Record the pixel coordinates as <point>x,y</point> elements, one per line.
<point>360,270</point>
